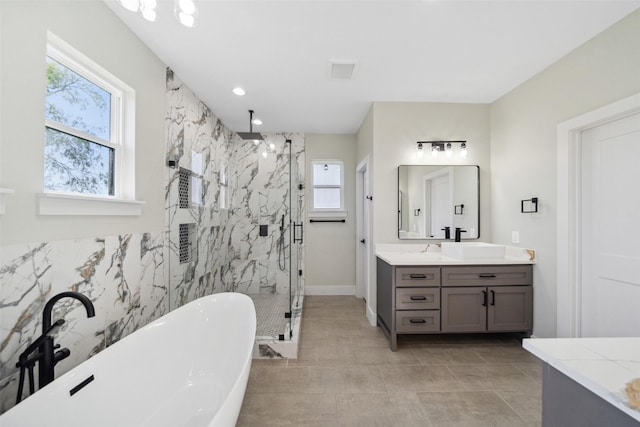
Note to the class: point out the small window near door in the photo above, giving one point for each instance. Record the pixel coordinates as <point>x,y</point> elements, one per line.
<point>327,177</point>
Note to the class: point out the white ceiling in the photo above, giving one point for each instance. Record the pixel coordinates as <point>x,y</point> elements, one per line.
<point>415,51</point>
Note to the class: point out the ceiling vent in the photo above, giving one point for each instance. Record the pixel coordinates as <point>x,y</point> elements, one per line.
<point>342,70</point>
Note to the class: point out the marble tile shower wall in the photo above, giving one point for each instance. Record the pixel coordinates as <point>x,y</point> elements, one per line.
<point>123,275</point>
<point>233,189</point>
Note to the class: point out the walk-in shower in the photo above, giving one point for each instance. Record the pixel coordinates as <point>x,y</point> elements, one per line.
<point>234,215</point>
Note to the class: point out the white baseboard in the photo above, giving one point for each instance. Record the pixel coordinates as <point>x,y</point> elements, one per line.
<point>372,317</point>
<point>329,290</point>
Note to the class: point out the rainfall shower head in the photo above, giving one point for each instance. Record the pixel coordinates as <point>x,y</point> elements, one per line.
<point>251,135</point>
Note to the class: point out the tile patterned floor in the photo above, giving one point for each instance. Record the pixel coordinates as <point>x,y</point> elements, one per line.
<point>347,376</point>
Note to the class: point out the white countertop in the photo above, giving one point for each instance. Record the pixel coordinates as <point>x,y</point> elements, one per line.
<point>602,365</point>
<point>429,254</point>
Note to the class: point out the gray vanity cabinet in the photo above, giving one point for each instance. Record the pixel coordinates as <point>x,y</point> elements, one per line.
<point>452,299</point>
<point>503,304</point>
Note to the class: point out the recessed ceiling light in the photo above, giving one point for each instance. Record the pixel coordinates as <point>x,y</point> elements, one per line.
<point>239,91</point>
<point>257,122</point>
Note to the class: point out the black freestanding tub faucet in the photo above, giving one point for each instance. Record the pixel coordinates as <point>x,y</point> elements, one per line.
<point>45,355</point>
<point>49,359</point>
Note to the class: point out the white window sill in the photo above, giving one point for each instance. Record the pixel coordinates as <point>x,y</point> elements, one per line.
<point>324,214</point>
<point>3,193</point>
<point>67,204</point>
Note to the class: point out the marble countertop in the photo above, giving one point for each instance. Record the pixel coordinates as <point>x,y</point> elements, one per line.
<point>602,365</point>
<point>430,254</point>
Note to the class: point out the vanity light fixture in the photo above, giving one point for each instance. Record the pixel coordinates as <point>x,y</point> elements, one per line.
<point>443,146</point>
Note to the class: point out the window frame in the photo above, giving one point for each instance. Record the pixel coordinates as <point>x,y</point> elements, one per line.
<point>122,141</point>
<point>340,212</point>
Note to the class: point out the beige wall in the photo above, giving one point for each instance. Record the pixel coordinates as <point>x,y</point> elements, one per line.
<point>330,247</point>
<point>523,145</point>
<point>95,31</point>
<point>397,128</point>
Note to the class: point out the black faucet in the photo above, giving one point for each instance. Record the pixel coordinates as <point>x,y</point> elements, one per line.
<point>447,232</point>
<point>45,356</point>
<point>458,231</point>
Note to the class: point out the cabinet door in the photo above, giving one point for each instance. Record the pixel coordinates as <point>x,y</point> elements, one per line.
<point>464,309</point>
<point>510,308</point>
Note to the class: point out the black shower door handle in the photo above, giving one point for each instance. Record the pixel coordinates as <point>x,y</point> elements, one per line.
<point>297,239</point>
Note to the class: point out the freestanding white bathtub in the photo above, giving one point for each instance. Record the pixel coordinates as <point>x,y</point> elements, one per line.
<point>188,368</point>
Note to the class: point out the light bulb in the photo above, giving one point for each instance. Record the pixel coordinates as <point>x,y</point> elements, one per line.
<point>463,150</point>
<point>420,150</point>
<point>148,14</point>
<point>448,151</point>
<point>187,6</point>
<point>272,146</point>
<point>264,154</point>
<point>132,5</point>
<point>187,20</point>
<point>257,122</point>
<point>434,151</point>
<point>256,141</point>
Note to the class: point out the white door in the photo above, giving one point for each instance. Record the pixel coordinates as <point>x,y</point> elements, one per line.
<point>610,286</point>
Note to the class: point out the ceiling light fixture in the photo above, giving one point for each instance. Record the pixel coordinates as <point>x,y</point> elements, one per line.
<point>185,10</point>
<point>239,91</point>
<point>446,146</point>
<point>257,122</point>
<point>251,135</point>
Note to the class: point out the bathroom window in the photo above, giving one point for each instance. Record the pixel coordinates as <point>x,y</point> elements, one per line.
<point>328,188</point>
<point>88,132</point>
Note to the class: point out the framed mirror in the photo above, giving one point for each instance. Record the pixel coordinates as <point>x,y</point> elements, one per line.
<point>433,197</point>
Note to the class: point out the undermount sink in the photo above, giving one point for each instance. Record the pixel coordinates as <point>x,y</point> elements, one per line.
<point>472,250</point>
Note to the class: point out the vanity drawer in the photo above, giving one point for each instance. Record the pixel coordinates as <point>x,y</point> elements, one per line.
<point>490,275</point>
<point>417,276</point>
<point>418,298</point>
<point>418,321</point>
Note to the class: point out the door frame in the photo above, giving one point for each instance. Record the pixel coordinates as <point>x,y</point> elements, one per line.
<point>569,200</point>
<point>364,226</point>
